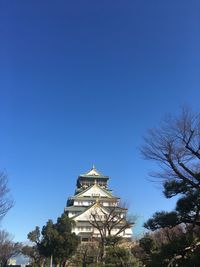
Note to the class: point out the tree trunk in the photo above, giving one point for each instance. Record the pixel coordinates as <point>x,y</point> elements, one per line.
<point>84,262</point>
<point>42,262</point>
<point>4,263</point>
<point>51,261</point>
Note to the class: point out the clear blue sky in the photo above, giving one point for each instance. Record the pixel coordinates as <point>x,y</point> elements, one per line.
<point>80,83</point>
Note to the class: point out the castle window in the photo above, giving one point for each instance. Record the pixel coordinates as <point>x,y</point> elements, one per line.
<point>96,195</point>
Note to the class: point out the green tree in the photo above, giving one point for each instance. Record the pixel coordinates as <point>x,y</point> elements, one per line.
<point>65,242</point>
<point>38,251</point>
<point>49,238</point>
<point>55,240</point>
<point>120,257</point>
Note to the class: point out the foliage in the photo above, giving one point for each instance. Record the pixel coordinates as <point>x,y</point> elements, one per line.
<point>118,254</point>
<point>120,257</point>
<point>37,252</point>
<point>56,240</point>
<point>63,240</point>
<point>162,219</point>
<point>113,240</point>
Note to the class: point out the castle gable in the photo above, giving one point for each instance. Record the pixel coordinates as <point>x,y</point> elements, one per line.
<point>95,191</point>
<point>95,209</point>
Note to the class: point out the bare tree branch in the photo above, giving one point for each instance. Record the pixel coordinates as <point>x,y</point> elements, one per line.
<point>8,248</point>
<point>109,223</point>
<point>175,145</point>
<point>6,202</point>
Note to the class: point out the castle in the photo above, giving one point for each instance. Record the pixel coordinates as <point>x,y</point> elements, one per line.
<point>94,201</point>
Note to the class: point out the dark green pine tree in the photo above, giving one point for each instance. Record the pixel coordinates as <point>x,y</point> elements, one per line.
<point>65,242</point>
<point>55,240</point>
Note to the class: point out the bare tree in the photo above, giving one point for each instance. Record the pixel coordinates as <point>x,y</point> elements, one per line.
<point>5,201</point>
<point>8,248</point>
<point>175,145</point>
<point>32,254</point>
<point>110,223</point>
<point>87,252</point>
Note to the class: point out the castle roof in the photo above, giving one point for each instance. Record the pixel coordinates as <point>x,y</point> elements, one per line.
<point>93,173</point>
<point>95,187</point>
<point>75,208</point>
<point>97,205</point>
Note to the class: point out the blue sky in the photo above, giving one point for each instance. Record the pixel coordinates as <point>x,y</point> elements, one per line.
<point>80,83</point>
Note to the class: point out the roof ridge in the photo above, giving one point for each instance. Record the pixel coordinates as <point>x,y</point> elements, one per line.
<point>93,172</point>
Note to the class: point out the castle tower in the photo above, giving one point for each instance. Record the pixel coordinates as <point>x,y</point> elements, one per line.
<point>92,196</point>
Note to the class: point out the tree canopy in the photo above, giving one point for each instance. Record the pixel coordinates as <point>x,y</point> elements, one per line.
<point>55,240</point>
